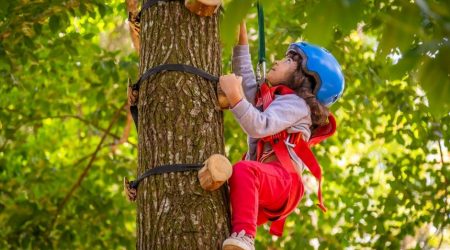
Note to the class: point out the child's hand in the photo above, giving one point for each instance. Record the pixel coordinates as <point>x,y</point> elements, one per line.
<point>231,85</point>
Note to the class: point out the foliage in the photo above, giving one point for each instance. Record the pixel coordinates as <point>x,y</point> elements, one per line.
<point>63,75</point>
<point>61,83</point>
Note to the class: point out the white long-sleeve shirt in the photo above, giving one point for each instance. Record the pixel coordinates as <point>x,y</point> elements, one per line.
<point>285,112</point>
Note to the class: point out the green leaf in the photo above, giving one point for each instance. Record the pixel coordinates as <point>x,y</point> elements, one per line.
<point>88,36</point>
<point>321,20</point>
<point>102,9</point>
<point>235,11</point>
<point>404,65</point>
<point>54,23</point>
<point>435,80</point>
<point>401,26</point>
<point>37,28</point>
<point>4,8</point>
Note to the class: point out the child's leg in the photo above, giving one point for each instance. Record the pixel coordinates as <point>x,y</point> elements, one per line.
<point>252,185</point>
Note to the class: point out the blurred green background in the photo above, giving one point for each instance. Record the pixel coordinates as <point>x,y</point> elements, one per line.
<point>64,67</point>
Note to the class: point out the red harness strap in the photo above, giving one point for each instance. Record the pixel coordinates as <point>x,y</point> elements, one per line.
<point>302,149</point>
<point>278,218</point>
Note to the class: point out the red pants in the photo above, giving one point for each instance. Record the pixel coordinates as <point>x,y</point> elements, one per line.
<point>260,191</point>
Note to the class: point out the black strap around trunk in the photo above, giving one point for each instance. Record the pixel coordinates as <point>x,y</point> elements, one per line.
<point>174,67</point>
<point>165,169</point>
<point>167,67</point>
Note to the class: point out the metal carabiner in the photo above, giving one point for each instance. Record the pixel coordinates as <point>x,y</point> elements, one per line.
<point>261,73</point>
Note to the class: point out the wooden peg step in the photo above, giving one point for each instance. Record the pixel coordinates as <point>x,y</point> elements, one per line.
<point>222,99</point>
<point>203,7</point>
<point>216,171</point>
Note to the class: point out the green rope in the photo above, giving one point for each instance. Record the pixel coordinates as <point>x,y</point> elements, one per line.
<point>262,43</point>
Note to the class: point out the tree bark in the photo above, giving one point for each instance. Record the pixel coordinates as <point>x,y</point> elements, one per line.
<point>179,123</point>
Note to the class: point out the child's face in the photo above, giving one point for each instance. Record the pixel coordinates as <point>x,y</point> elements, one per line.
<point>282,71</point>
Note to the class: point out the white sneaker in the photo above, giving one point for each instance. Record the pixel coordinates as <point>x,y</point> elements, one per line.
<point>239,242</point>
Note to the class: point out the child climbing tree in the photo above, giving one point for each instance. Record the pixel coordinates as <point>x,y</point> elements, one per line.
<point>179,123</point>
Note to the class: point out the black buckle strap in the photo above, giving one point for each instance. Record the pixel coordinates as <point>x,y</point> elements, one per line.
<point>165,169</point>
<point>167,67</point>
<point>174,67</point>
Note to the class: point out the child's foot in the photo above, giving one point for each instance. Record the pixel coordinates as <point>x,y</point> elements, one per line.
<point>239,241</point>
<point>216,171</point>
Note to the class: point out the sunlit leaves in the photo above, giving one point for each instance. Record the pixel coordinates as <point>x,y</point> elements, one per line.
<point>237,10</point>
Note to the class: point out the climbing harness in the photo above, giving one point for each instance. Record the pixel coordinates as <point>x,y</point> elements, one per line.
<point>301,148</point>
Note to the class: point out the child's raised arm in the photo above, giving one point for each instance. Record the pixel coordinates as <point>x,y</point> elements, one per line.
<point>242,65</point>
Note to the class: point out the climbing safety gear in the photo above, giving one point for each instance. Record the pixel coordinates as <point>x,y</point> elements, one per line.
<point>302,149</point>
<point>324,68</point>
<point>131,187</point>
<point>167,67</point>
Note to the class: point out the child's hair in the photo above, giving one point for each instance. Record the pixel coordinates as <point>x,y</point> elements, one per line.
<point>305,86</point>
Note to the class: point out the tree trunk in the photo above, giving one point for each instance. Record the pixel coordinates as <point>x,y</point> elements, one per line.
<point>179,123</point>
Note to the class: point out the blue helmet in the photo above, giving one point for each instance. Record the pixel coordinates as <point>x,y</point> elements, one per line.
<point>321,64</point>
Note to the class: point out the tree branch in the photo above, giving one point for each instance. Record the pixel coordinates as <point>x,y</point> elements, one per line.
<point>126,132</point>
<point>86,169</point>
<point>89,123</point>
